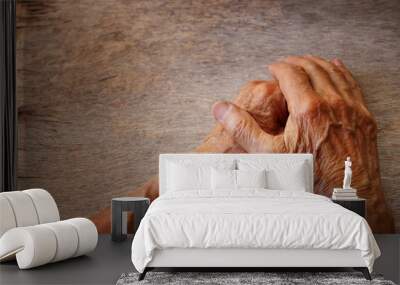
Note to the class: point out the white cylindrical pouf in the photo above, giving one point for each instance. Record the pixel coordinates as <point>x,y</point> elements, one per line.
<point>87,234</point>
<point>33,246</point>
<point>23,208</point>
<point>67,239</point>
<point>7,218</point>
<point>45,205</point>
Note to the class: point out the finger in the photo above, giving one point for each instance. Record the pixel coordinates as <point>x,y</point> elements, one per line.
<point>336,76</point>
<point>347,74</point>
<point>356,90</point>
<point>294,84</point>
<point>265,103</point>
<point>319,78</point>
<point>243,128</point>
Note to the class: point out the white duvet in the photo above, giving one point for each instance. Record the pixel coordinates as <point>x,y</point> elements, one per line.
<point>250,219</point>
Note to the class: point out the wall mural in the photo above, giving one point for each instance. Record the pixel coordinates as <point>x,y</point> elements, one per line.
<point>331,126</point>
<point>103,87</point>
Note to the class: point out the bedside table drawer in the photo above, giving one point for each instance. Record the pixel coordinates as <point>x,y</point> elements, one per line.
<point>356,206</point>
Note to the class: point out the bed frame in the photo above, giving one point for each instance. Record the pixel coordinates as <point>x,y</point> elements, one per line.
<point>245,259</point>
<point>249,259</point>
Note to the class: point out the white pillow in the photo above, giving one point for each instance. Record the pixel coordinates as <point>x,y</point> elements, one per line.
<point>186,177</point>
<point>223,179</point>
<point>293,178</point>
<point>193,174</point>
<point>251,178</point>
<point>281,174</point>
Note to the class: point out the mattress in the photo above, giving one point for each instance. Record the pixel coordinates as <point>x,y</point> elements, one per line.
<point>250,219</point>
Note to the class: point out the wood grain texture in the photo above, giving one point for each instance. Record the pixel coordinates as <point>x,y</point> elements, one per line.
<point>105,86</point>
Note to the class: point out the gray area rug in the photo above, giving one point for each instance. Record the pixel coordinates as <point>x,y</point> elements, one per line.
<point>225,278</point>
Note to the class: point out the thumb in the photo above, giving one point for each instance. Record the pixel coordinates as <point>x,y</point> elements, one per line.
<point>245,130</point>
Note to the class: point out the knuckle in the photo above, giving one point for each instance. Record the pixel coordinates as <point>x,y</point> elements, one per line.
<point>311,66</point>
<point>261,87</point>
<point>287,64</point>
<point>304,62</point>
<point>338,103</point>
<point>292,58</point>
<point>351,106</point>
<point>308,55</point>
<point>312,108</point>
<point>240,128</point>
<point>254,83</point>
<point>335,71</point>
<point>299,75</point>
<point>250,85</point>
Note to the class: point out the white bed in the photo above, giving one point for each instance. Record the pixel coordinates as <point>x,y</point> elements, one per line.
<point>281,224</point>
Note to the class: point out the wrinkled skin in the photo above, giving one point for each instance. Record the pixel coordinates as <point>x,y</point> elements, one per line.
<point>314,106</point>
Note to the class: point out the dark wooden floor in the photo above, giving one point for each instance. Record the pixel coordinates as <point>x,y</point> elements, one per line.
<point>110,260</point>
<point>103,266</point>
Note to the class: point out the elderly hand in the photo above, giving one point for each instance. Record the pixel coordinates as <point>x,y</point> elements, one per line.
<point>319,110</point>
<point>327,117</point>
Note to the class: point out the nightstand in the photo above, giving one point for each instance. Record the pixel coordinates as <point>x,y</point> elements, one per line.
<point>119,208</point>
<point>357,205</point>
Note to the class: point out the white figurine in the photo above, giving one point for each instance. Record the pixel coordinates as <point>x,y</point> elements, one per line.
<point>347,174</point>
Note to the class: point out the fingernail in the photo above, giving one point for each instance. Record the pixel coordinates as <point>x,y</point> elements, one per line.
<point>337,62</point>
<point>220,109</point>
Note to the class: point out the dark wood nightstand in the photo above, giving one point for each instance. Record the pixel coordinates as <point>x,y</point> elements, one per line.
<point>356,205</point>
